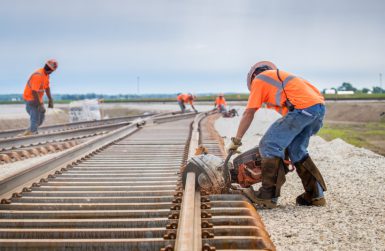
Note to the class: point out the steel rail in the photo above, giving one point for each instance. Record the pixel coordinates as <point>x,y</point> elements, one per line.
<point>74,125</point>
<point>27,177</point>
<point>127,195</point>
<point>87,149</point>
<point>189,236</point>
<point>70,211</point>
<point>14,143</point>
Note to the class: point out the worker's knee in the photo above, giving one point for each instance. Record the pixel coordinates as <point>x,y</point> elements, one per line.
<point>269,149</point>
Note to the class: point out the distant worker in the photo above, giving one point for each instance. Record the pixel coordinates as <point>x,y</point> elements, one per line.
<point>183,99</point>
<point>220,103</point>
<point>302,106</point>
<point>37,84</point>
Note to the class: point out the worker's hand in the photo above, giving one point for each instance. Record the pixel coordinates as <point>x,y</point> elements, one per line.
<point>233,145</point>
<point>41,108</point>
<point>50,103</point>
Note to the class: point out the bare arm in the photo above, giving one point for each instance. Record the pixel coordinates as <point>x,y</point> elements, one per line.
<point>245,123</point>
<point>192,106</point>
<point>48,92</point>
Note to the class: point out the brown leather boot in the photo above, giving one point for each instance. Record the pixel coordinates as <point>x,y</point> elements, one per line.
<point>310,176</point>
<point>273,177</point>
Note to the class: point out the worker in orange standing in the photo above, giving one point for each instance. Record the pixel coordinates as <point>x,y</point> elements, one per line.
<point>303,110</point>
<point>37,84</point>
<point>220,103</point>
<point>183,99</point>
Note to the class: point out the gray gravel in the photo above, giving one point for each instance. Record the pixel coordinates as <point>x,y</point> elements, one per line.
<point>354,218</point>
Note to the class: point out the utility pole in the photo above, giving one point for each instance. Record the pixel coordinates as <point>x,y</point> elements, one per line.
<point>381,81</point>
<point>137,85</point>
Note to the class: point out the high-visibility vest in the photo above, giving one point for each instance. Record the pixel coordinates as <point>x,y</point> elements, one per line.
<point>299,91</point>
<point>28,87</point>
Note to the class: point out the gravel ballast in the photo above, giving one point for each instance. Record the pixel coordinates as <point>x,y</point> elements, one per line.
<point>354,218</point>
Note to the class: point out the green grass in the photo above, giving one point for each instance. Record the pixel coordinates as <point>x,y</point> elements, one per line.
<point>361,135</point>
<point>229,97</point>
<point>355,96</point>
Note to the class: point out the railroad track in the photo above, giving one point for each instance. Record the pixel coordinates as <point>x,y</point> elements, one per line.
<point>124,192</point>
<point>56,138</point>
<point>72,126</point>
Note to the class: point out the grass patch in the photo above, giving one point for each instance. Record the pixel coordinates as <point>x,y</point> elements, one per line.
<point>366,135</point>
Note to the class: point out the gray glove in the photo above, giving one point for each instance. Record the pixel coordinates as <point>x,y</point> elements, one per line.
<point>233,145</point>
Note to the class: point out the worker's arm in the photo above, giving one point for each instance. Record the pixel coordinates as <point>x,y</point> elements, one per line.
<point>192,106</point>
<point>36,98</point>
<point>40,105</point>
<point>50,100</point>
<point>245,123</point>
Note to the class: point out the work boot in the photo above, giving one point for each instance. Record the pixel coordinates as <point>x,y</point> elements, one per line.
<point>312,182</point>
<point>273,177</point>
<point>28,133</point>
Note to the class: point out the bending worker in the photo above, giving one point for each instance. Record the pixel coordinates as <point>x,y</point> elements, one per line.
<point>37,84</point>
<point>183,99</point>
<point>220,103</point>
<point>303,110</point>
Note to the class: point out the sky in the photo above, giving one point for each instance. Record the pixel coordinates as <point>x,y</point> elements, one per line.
<point>189,46</point>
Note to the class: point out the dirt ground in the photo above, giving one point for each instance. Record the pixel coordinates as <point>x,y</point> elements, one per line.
<point>359,123</point>
<point>60,116</point>
<point>351,111</point>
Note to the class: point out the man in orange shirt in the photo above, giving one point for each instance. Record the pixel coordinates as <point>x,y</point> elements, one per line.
<point>183,99</point>
<point>220,103</point>
<point>303,110</point>
<point>34,90</point>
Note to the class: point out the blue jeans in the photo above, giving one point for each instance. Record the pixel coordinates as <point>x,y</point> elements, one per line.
<point>293,132</point>
<point>36,117</point>
<point>222,108</point>
<point>182,106</point>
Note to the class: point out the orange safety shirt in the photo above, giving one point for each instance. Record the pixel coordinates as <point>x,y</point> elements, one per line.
<point>185,98</point>
<point>220,101</point>
<point>39,81</point>
<point>266,88</point>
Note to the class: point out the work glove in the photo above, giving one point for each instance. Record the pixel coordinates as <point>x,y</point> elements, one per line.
<point>50,103</point>
<point>195,110</point>
<point>41,108</point>
<point>233,145</point>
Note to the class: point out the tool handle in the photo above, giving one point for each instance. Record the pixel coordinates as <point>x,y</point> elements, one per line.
<point>226,169</point>
<point>231,152</point>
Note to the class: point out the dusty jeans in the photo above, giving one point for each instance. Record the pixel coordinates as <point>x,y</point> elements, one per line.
<point>36,117</point>
<point>293,132</point>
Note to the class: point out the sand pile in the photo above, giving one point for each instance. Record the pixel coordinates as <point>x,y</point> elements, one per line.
<point>354,218</point>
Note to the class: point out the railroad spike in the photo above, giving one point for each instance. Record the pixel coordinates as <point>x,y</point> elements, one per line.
<point>206,224</point>
<point>207,235</point>
<point>5,201</point>
<point>208,247</point>
<point>169,236</point>
<point>167,248</point>
<point>35,184</point>
<point>205,206</point>
<point>26,189</point>
<point>16,195</point>
<point>173,225</point>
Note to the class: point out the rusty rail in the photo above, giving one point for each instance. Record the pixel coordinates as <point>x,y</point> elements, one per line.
<point>125,193</point>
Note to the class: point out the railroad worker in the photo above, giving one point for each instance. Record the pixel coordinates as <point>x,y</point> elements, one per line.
<point>37,84</point>
<point>303,110</point>
<point>183,99</point>
<point>220,103</point>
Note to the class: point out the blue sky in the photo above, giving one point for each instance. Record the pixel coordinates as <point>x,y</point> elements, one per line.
<point>195,46</point>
